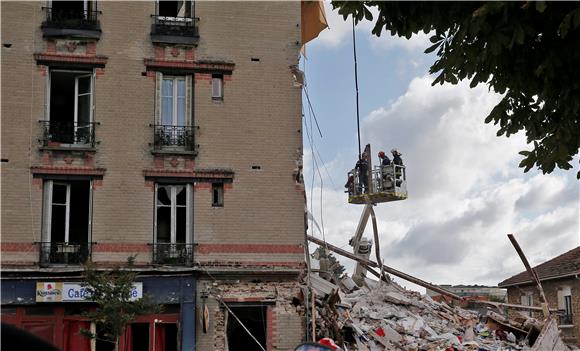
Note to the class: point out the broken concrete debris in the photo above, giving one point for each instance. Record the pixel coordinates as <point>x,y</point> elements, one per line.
<point>385,316</point>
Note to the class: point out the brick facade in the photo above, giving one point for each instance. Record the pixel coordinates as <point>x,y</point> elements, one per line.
<point>251,141</point>
<point>570,333</point>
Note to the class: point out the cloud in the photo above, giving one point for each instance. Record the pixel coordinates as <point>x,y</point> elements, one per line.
<point>466,191</point>
<point>418,42</point>
<point>340,33</point>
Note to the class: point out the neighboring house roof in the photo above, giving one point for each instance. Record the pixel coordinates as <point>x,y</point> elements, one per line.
<point>561,266</point>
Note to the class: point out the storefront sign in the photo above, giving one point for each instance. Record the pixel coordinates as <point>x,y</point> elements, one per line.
<point>73,292</point>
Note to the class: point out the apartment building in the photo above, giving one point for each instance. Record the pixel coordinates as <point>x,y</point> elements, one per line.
<point>169,131</point>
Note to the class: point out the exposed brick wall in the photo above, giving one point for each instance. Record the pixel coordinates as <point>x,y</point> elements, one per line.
<point>570,334</point>
<point>285,329</point>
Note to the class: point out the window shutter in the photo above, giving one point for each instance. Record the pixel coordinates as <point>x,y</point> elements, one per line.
<point>158,82</point>
<point>560,299</point>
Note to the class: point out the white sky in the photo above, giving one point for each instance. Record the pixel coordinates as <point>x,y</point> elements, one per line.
<point>466,191</point>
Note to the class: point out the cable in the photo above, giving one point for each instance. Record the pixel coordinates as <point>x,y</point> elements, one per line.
<point>356,87</point>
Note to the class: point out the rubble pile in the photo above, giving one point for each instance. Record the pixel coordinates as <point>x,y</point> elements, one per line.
<point>388,317</point>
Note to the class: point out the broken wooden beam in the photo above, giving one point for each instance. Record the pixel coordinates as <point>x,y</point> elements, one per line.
<point>387,269</point>
<point>533,275</point>
<point>510,305</point>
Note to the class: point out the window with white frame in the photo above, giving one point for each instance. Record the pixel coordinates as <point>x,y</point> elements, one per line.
<point>70,107</point>
<point>565,305</point>
<point>527,299</point>
<point>217,86</point>
<point>173,101</point>
<point>66,221</point>
<point>173,213</point>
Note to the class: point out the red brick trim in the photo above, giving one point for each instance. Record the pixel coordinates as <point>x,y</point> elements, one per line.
<point>81,171</point>
<point>51,59</point>
<point>250,264</point>
<point>18,247</point>
<point>249,248</point>
<point>121,247</point>
<point>188,174</point>
<point>194,66</point>
<point>270,328</point>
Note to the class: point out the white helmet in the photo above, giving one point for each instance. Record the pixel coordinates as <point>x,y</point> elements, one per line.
<point>396,152</point>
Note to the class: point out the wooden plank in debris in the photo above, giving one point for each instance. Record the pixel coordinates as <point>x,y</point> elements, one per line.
<point>549,338</point>
<point>533,275</point>
<point>511,306</point>
<point>385,268</point>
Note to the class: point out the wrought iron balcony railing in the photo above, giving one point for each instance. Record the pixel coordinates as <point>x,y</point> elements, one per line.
<point>71,19</point>
<point>56,133</point>
<point>175,26</point>
<point>174,138</point>
<point>64,253</point>
<point>178,254</point>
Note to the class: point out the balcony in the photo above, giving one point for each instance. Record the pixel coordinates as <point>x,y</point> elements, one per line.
<point>174,139</point>
<point>175,30</point>
<point>173,254</point>
<point>64,253</point>
<point>65,134</point>
<point>72,23</point>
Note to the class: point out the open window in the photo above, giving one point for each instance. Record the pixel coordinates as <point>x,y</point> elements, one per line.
<point>67,222</point>
<point>217,194</point>
<point>254,319</point>
<point>174,9</point>
<point>70,111</point>
<point>173,216</point>
<point>72,10</point>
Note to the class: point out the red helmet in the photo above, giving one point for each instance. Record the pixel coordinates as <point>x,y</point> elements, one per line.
<point>381,154</point>
<point>328,342</point>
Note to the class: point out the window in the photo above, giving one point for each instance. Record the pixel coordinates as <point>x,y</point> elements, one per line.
<point>70,112</point>
<point>173,130</point>
<point>217,194</point>
<point>70,10</point>
<point>173,9</point>
<point>173,101</point>
<point>67,221</point>
<point>172,224</point>
<point>217,86</point>
<point>527,299</point>
<point>565,304</point>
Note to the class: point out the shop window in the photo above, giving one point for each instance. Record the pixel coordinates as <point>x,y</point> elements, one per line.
<point>165,337</point>
<point>70,112</point>
<point>217,191</point>
<point>254,319</point>
<point>67,216</point>
<point>217,87</point>
<point>139,336</point>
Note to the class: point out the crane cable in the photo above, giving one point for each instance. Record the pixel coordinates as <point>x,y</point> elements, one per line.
<point>356,87</point>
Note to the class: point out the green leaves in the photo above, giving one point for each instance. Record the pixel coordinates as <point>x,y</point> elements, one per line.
<point>528,52</point>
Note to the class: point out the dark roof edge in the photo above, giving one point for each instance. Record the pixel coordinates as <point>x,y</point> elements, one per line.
<point>503,284</point>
